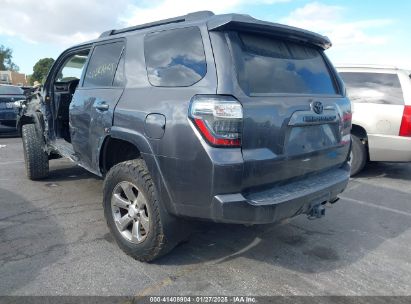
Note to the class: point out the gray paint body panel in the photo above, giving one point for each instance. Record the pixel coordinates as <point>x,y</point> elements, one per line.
<point>191,177</point>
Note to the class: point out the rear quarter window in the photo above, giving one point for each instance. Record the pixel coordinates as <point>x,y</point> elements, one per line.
<point>175,57</point>
<point>381,88</point>
<point>268,65</point>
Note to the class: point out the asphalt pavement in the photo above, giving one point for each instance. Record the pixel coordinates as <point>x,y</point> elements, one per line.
<point>54,241</point>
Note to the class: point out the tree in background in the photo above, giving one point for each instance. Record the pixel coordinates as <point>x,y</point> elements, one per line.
<point>6,63</point>
<point>41,69</point>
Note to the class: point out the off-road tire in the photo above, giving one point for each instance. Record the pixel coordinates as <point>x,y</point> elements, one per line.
<point>163,232</point>
<point>359,155</point>
<point>35,156</point>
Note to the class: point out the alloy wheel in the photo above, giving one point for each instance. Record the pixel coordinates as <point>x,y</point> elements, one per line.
<point>130,212</point>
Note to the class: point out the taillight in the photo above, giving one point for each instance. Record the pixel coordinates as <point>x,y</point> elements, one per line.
<point>218,118</point>
<point>345,128</point>
<point>405,129</point>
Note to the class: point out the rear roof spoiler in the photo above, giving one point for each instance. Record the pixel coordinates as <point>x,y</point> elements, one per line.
<point>249,24</point>
<point>236,22</point>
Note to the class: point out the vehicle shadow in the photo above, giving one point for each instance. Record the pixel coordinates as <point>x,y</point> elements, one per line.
<point>30,240</point>
<point>389,170</point>
<point>67,171</point>
<point>341,238</point>
<point>345,235</point>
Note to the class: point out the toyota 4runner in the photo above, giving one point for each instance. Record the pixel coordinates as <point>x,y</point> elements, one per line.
<point>217,117</point>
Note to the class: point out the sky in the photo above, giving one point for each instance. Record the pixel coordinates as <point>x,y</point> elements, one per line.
<point>366,32</point>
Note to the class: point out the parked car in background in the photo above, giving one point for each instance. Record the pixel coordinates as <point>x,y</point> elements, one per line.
<point>381,99</point>
<point>177,132</point>
<point>9,94</point>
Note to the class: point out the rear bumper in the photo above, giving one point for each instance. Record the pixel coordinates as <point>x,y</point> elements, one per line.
<point>275,204</point>
<point>389,148</point>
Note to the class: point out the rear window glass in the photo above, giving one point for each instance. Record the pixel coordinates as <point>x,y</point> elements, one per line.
<point>175,57</point>
<point>103,65</point>
<point>382,88</point>
<point>269,65</point>
<point>10,90</point>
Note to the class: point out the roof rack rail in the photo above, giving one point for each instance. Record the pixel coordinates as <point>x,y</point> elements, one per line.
<point>366,66</point>
<point>189,17</point>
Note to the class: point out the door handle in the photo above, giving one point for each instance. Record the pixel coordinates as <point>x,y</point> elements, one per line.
<point>102,106</point>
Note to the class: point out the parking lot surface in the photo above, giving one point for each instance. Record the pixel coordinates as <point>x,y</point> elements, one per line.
<point>54,241</point>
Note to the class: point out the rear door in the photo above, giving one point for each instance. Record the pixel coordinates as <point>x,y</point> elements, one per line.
<point>91,110</point>
<point>296,121</point>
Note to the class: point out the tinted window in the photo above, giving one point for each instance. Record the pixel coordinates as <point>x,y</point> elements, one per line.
<point>119,78</point>
<point>373,87</point>
<point>268,65</point>
<point>103,65</point>
<point>10,90</point>
<point>175,57</point>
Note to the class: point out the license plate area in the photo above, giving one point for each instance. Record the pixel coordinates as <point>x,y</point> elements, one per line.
<point>306,139</point>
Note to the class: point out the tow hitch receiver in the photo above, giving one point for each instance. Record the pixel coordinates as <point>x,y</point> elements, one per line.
<point>317,211</point>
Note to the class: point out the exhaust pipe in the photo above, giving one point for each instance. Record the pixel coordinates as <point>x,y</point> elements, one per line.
<point>316,212</point>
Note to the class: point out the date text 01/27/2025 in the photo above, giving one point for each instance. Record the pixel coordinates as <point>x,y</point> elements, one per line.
<point>202,299</point>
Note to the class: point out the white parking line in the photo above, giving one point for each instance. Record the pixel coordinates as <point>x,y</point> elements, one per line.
<point>11,162</point>
<point>376,206</point>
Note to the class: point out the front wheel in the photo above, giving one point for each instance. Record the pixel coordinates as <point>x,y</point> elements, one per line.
<point>139,224</point>
<point>35,156</point>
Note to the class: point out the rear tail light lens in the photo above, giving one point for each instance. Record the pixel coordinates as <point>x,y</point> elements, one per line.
<point>345,128</point>
<point>218,118</point>
<point>405,129</point>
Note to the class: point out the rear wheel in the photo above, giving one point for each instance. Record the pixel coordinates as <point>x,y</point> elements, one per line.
<point>358,155</point>
<point>35,156</point>
<point>139,224</point>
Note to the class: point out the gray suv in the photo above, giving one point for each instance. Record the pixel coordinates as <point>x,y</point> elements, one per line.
<point>216,117</point>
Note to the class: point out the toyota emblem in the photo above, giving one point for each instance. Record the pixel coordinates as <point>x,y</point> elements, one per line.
<point>317,107</point>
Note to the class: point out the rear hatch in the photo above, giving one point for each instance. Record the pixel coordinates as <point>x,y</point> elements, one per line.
<point>296,121</point>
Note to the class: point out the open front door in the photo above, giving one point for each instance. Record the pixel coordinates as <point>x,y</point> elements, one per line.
<point>92,107</point>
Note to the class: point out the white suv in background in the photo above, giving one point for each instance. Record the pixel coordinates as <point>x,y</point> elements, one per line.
<point>381,125</point>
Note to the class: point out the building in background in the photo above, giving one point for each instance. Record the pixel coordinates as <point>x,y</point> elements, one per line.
<point>14,78</point>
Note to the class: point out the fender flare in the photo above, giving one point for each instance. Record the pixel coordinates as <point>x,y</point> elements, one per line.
<point>144,146</point>
<point>35,118</point>
<point>133,137</point>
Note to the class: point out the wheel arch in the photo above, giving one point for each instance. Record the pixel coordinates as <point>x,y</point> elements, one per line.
<point>115,150</point>
<point>124,140</point>
<point>139,147</point>
<point>362,134</point>
<point>35,118</point>
<point>359,131</point>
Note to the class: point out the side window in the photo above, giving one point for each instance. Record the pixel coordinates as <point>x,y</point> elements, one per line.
<point>73,67</point>
<point>103,65</point>
<point>382,88</point>
<point>175,57</point>
<point>119,79</point>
